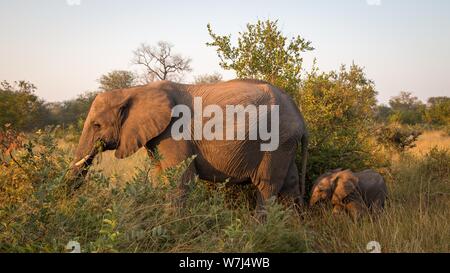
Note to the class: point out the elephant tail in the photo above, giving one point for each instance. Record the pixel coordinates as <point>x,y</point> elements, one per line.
<point>304,155</point>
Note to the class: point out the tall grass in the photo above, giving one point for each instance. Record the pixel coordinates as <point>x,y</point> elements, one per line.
<point>135,214</point>
<point>416,219</point>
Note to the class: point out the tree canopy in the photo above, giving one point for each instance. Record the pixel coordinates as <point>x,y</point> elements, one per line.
<point>117,79</point>
<point>263,52</point>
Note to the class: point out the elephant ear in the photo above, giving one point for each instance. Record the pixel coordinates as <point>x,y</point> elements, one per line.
<point>344,184</point>
<point>143,116</point>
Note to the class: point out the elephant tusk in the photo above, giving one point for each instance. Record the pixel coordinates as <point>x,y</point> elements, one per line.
<point>82,161</point>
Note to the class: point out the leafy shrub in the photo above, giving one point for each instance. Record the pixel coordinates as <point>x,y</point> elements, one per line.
<point>339,108</point>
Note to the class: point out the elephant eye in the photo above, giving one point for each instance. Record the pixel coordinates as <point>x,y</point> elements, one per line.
<point>97,125</point>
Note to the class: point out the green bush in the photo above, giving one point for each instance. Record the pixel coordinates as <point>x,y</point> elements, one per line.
<point>339,108</point>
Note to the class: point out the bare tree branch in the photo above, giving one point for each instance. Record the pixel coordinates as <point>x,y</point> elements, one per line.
<point>159,63</point>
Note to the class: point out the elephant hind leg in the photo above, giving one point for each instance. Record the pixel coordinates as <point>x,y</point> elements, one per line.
<point>290,190</point>
<point>173,153</point>
<point>269,179</point>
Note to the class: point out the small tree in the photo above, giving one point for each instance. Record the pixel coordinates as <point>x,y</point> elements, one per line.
<point>160,63</point>
<point>208,78</point>
<point>407,109</point>
<point>263,53</point>
<point>404,101</point>
<point>117,79</point>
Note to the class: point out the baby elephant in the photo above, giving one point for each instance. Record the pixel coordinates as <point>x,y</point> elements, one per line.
<point>354,193</point>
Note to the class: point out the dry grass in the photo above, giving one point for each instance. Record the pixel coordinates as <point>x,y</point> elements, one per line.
<point>431,139</point>
<point>120,169</point>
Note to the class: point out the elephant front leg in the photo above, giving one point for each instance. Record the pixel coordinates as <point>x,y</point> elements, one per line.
<point>355,209</point>
<point>173,154</point>
<point>183,186</point>
<point>338,209</point>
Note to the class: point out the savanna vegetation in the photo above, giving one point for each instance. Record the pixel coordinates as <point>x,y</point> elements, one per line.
<point>122,208</point>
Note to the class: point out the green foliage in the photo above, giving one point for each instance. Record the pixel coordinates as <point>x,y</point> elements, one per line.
<point>409,110</point>
<point>117,79</point>
<point>405,101</point>
<point>408,117</point>
<point>339,108</point>
<point>263,53</point>
<point>20,107</point>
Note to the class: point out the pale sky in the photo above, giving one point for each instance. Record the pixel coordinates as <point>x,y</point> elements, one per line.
<point>64,46</point>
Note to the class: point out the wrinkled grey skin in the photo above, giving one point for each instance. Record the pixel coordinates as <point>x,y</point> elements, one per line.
<point>126,120</point>
<point>354,193</point>
<point>372,188</point>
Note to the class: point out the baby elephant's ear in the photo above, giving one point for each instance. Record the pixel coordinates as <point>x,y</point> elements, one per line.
<point>144,116</point>
<point>345,183</point>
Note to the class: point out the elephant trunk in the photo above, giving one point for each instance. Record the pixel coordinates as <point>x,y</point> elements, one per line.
<point>80,166</point>
<point>85,153</point>
<point>316,198</point>
<point>313,201</point>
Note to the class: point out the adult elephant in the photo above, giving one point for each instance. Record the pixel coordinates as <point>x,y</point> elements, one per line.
<point>128,119</point>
